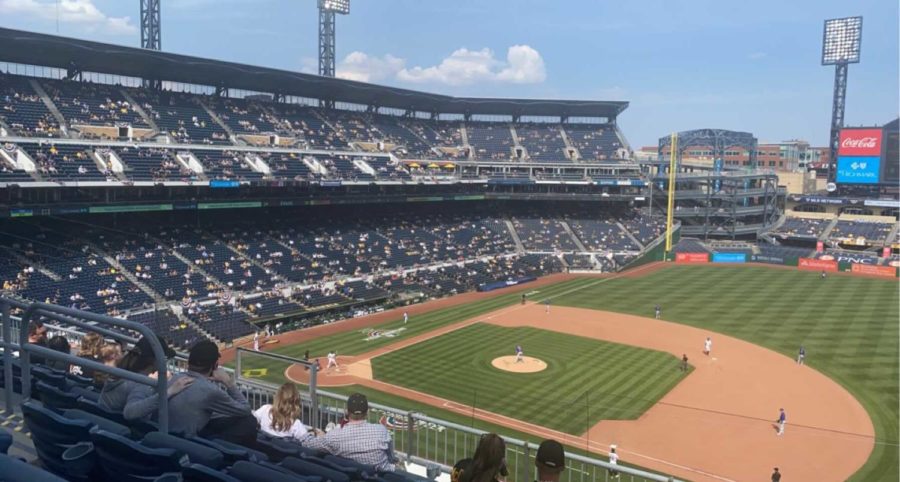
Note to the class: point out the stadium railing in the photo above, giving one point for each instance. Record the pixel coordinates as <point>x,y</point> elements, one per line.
<point>48,313</point>
<point>426,441</point>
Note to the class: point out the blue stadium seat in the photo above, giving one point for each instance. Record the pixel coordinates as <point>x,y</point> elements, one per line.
<point>14,470</point>
<point>124,460</point>
<point>197,453</point>
<point>276,450</point>
<point>100,422</point>
<point>306,467</point>
<point>250,472</point>
<point>6,441</point>
<point>54,397</point>
<point>62,444</point>
<point>200,473</point>
<point>232,452</point>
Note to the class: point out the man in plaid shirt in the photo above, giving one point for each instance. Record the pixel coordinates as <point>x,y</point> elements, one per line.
<point>358,440</point>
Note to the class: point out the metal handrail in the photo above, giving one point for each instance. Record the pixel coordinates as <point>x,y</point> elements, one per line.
<point>77,318</point>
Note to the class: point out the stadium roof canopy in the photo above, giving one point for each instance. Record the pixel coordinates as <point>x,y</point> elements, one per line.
<point>73,54</point>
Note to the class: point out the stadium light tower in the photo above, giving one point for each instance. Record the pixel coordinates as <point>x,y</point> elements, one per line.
<point>327,10</point>
<point>150,28</point>
<point>840,47</point>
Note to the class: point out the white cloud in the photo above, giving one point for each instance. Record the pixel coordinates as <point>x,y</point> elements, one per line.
<point>82,13</point>
<point>523,65</point>
<point>366,68</point>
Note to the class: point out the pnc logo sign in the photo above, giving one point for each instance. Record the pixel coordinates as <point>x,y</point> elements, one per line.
<point>860,142</point>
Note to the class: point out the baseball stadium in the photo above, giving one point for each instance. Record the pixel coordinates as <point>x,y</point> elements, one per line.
<point>215,271</point>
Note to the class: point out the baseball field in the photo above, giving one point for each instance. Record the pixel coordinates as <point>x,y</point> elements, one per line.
<point>612,373</point>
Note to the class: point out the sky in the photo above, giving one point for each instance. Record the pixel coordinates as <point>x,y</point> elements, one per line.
<point>681,64</point>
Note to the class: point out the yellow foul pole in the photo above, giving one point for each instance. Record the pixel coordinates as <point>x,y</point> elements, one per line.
<point>670,211</point>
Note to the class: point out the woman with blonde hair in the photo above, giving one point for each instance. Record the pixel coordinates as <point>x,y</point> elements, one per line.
<point>281,418</point>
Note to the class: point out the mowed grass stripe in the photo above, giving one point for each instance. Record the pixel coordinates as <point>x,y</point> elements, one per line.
<point>581,386</point>
<point>850,327</point>
<point>354,342</point>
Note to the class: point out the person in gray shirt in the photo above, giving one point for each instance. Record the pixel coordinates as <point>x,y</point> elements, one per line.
<point>134,400</point>
<point>212,406</point>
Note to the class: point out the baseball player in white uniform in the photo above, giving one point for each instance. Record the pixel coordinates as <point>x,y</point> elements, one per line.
<point>613,460</point>
<point>520,354</point>
<point>256,341</point>
<point>332,360</point>
<point>405,317</point>
<point>707,346</point>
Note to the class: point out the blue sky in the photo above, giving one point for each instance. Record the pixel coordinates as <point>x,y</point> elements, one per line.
<point>682,64</point>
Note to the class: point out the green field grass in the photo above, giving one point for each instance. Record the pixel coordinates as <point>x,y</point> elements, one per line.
<point>354,342</point>
<point>849,325</point>
<point>586,380</point>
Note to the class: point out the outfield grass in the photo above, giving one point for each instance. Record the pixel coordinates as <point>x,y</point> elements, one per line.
<point>586,380</point>
<point>850,327</point>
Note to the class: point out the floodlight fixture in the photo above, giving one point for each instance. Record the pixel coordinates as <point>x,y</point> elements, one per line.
<point>841,41</point>
<point>337,6</point>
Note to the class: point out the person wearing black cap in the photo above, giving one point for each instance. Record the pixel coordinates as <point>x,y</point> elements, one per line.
<point>134,400</point>
<point>550,461</point>
<point>204,408</point>
<point>366,443</point>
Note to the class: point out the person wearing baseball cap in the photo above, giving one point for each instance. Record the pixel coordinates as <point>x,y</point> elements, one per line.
<point>366,443</point>
<point>204,408</point>
<point>550,461</point>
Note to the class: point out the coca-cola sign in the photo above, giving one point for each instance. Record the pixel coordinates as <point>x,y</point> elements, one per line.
<point>860,142</point>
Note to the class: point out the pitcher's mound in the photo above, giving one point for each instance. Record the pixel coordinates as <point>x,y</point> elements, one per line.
<point>527,365</point>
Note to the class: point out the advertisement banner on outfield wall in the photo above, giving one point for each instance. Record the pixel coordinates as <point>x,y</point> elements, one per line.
<point>810,264</point>
<point>886,271</point>
<point>729,258</point>
<point>820,246</point>
<point>761,258</point>
<point>692,257</point>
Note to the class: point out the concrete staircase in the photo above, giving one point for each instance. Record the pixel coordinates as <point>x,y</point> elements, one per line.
<point>63,125</point>
<point>568,229</point>
<point>464,136</point>
<point>38,267</point>
<point>140,110</point>
<point>569,145</point>
<point>630,236</point>
<point>512,232</point>
<point>218,120</point>
<point>827,232</point>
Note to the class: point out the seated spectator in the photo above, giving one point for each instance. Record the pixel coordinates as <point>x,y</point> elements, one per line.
<point>204,408</point>
<point>134,400</point>
<point>550,461</point>
<point>358,440</point>
<point>489,461</point>
<point>90,349</point>
<point>60,344</point>
<point>459,468</point>
<point>281,418</point>
<point>110,354</point>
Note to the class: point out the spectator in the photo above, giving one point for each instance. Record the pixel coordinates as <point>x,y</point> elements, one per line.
<point>90,349</point>
<point>489,461</point>
<point>134,400</point>
<point>550,461</point>
<point>459,468</point>
<point>60,344</point>
<point>358,440</point>
<point>204,408</point>
<point>37,333</point>
<point>110,354</point>
<point>281,418</point>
